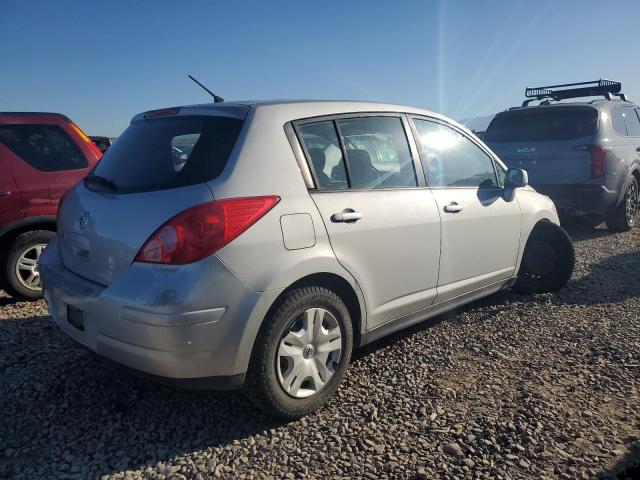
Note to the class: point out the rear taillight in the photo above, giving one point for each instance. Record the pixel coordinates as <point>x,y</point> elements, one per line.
<point>598,161</point>
<point>86,140</point>
<point>204,229</point>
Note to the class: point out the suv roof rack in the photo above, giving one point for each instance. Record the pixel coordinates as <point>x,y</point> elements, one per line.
<point>581,89</point>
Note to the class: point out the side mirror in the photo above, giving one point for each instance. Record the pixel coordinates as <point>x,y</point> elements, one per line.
<point>516,178</point>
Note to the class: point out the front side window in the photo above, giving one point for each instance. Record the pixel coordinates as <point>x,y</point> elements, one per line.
<point>323,150</point>
<point>377,151</point>
<point>47,148</point>
<point>450,159</point>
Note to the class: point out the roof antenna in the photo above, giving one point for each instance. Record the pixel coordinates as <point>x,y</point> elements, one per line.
<point>216,98</point>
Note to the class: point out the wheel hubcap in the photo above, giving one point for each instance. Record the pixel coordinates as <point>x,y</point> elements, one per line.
<point>309,353</point>
<point>631,203</point>
<point>27,266</point>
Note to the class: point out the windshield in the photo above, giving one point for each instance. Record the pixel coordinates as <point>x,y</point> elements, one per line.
<point>542,124</point>
<point>168,153</point>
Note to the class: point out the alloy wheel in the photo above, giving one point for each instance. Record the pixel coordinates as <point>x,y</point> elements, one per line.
<point>631,203</point>
<point>27,266</point>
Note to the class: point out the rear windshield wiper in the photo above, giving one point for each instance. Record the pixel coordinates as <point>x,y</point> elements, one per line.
<point>92,181</point>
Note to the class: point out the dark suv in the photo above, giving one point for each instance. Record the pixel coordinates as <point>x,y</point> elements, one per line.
<point>42,155</point>
<point>584,155</point>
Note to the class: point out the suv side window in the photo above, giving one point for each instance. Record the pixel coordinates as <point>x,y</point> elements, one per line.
<point>323,149</point>
<point>632,121</point>
<point>617,121</point>
<point>47,148</point>
<point>377,151</point>
<point>450,159</point>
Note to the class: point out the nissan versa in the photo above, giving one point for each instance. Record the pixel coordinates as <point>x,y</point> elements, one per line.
<point>255,244</point>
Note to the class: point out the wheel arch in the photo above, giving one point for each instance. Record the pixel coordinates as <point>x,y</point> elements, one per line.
<point>634,171</point>
<point>540,217</point>
<point>9,232</point>
<point>342,287</point>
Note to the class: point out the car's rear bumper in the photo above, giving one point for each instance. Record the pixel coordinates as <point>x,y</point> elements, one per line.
<point>161,328</point>
<point>579,198</point>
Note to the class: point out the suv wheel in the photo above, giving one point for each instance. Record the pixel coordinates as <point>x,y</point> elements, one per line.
<point>548,260</point>
<point>623,217</point>
<point>301,353</point>
<point>21,264</point>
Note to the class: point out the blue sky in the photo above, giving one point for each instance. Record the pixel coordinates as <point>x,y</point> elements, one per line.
<point>102,62</point>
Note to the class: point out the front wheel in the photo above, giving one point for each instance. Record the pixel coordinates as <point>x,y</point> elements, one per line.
<point>548,260</point>
<point>301,353</point>
<point>623,216</point>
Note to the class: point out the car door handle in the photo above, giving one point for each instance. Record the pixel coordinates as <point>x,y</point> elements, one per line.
<point>453,207</point>
<point>346,216</point>
<point>637,149</point>
<point>5,194</point>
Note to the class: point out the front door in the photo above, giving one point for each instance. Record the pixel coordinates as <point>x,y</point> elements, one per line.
<point>383,225</point>
<point>480,234</point>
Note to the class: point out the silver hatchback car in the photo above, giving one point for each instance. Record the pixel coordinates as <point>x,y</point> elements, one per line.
<point>256,244</point>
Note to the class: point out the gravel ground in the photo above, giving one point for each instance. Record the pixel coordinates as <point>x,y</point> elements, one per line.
<point>510,387</point>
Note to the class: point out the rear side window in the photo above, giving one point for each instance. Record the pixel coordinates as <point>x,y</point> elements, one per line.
<point>168,153</point>
<point>323,150</point>
<point>378,154</point>
<point>47,148</point>
<point>631,120</point>
<point>376,150</point>
<point>542,124</point>
<point>450,159</point>
<point>617,121</point>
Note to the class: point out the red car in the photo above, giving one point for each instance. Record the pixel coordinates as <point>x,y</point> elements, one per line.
<point>42,155</point>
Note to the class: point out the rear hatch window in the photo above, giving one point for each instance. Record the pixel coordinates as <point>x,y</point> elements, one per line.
<point>166,153</point>
<point>542,124</point>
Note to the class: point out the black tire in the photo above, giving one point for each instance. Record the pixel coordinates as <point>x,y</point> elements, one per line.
<point>548,260</point>
<point>22,242</point>
<point>623,217</point>
<point>262,385</point>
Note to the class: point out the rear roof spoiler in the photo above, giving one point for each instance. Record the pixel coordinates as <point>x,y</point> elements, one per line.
<point>594,88</point>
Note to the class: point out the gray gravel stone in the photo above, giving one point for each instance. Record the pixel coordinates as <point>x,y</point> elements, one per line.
<point>513,386</point>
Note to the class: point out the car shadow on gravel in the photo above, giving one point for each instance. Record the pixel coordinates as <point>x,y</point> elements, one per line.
<point>7,300</point>
<point>582,229</point>
<point>628,468</point>
<point>611,280</point>
<point>59,399</point>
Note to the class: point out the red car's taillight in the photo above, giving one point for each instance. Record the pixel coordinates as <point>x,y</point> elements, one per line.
<point>92,146</point>
<point>204,229</point>
<point>598,161</point>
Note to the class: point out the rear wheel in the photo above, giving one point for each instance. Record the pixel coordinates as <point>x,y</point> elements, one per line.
<point>623,216</point>
<point>301,353</point>
<point>548,260</point>
<point>22,277</point>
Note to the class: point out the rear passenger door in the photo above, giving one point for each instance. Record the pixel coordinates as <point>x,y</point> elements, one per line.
<point>45,162</point>
<point>480,228</point>
<point>382,222</point>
